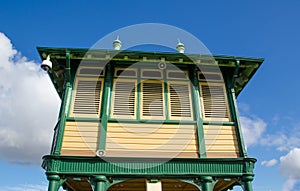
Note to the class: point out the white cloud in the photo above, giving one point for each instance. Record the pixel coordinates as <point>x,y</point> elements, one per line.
<point>26,187</point>
<point>283,141</point>
<point>289,185</point>
<point>28,107</point>
<point>290,168</point>
<point>253,128</point>
<point>290,164</point>
<point>269,163</point>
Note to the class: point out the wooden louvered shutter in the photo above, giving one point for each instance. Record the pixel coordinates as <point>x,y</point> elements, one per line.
<point>87,96</point>
<point>180,105</point>
<point>124,99</point>
<point>214,102</point>
<point>152,99</point>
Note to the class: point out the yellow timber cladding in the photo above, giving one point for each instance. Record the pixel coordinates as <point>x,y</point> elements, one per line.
<point>151,113</point>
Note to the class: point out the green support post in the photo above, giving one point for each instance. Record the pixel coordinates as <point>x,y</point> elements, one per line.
<point>138,86</point>
<point>234,109</point>
<point>65,105</point>
<point>207,183</point>
<point>53,182</point>
<point>247,182</point>
<point>105,107</point>
<point>243,152</point>
<point>165,94</point>
<point>100,183</point>
<point>198,115</point>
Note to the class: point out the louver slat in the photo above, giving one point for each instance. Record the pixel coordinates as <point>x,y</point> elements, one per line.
<point>87,98</point>
<point>152,100</point>
<point>180,101</point>
<point>124,99</point>
<point>214,102</point>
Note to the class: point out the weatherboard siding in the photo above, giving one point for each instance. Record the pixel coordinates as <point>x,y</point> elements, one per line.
<point>80,139</point>
<point>221,141</point>
<point>151,140</point>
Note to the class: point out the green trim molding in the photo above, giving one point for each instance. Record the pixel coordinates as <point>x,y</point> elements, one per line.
<point>114,167</point>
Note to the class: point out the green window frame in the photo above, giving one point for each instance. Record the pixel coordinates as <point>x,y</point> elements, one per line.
<point>158,94</point>
<point>213,97</point>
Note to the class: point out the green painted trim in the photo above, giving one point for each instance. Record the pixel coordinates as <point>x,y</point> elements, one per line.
<point>138,101</point>
<point>55,181</point>
<point>106,99</point>
<point>243,151</point>
<point>234,115</point>
<point>198,114</point>
<point>218,123</point>
<point>151,167</point>
<point>235,73</point>
<point>68,68</point>
<point>63,115</point>
<point>58,51</point>
<point>166,97</point>
<point>83,119</point>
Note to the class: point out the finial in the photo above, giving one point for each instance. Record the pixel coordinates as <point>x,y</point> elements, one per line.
<point>180,47</point>
<point>117,44</point>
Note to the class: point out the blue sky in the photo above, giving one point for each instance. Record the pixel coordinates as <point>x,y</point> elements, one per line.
<point>269,105</point>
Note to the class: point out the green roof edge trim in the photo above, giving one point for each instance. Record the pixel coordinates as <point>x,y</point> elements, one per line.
<point>59,58</point>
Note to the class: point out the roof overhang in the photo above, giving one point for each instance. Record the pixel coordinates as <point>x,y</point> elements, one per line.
<point>242,68</point>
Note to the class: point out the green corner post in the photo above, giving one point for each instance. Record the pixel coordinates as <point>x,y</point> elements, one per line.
<point>100,183</point>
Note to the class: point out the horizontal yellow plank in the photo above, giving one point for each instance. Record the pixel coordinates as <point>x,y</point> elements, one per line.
<point>221,142</point>
<point>153,136</point>
<point>148,130</point>
<point>221,148</point>
<point>149,125</point>
<point>206,127</point>
<point>80,139</point>
<point>223,154</point>
<point>219,130</point>
<point>79,145</point>
<point>151,154</point>
<point>66,152</point>
<point>150,147</point>
<point>81,123</point>
<point>81,134</point>
<point>220,136</point>
<point>152,141</point>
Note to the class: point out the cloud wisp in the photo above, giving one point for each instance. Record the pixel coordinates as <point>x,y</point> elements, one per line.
<point>290,168</point>
<point>253,128</point>
<point>25,187</point>
<point>269,163</point>
<point>28,107</point>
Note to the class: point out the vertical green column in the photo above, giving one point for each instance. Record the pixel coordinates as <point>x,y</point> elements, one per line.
<point>138,89</point>
<point>165,94</point>
<point>100,183</point>
<point>198,114</point>
<point>53,182</point>
<point>207,183</point>
<point>65,105</point>
<point>247,181</point>
<point>230,84</point>
<point>243,152</point>
<point>105,107</point>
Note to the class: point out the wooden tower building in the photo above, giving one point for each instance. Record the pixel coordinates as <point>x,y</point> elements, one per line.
<point>147,121</point>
